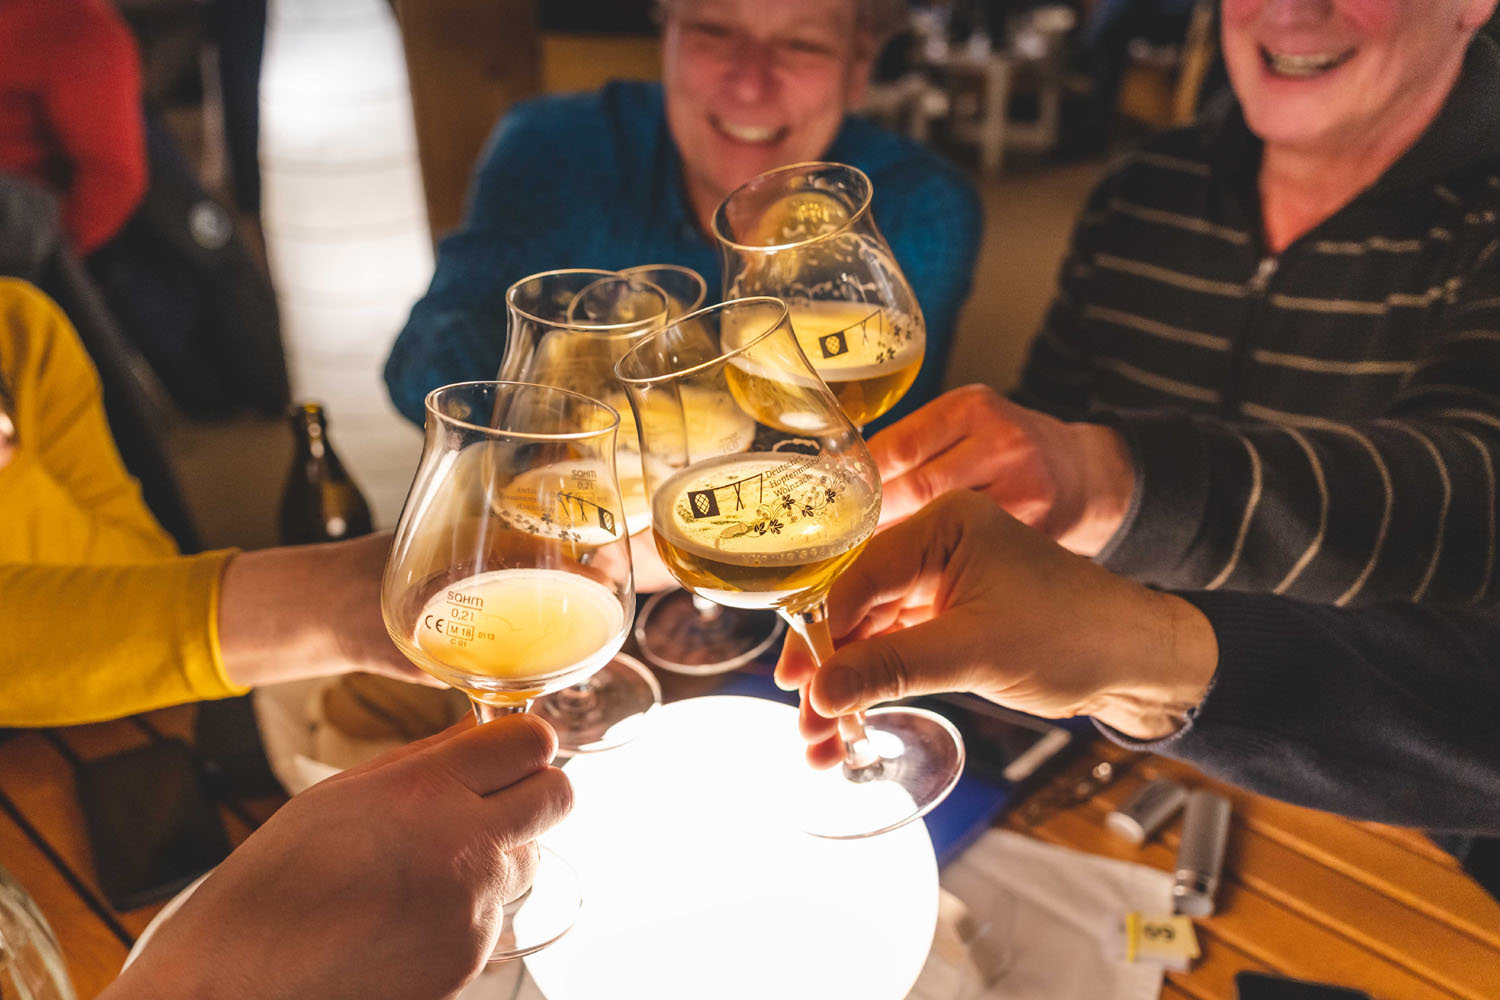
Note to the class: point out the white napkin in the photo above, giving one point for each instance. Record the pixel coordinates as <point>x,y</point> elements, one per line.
<point>1024,920</point>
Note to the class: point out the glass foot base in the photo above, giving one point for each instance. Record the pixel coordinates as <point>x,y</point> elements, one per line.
<point>921,758</point>
<point>544,914</point>
<point>676,635</point>
<point>604,711</point>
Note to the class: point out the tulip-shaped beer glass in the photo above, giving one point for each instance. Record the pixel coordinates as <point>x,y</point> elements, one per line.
<point>685,287</point>
<point>804,234</point>
<point>509,576</point>
<point>772,527</point>
<point>677,630</point>
<point>567,329</point>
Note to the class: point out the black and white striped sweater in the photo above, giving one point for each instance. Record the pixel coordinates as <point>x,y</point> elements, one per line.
<point>1322,423</point>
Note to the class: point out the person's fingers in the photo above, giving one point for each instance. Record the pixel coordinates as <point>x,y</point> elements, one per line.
<point>397,754</point>
<point>520,864</point>
<point>525,810</point>
<point>974,462</point>
<point>900,567</point>
<point>941,655</point>
<point>891,615</point>
<point>917,437</point>
<point>795,665</point>
<point>826,753</point>
<point>814,727</point>
<point>497,754</point>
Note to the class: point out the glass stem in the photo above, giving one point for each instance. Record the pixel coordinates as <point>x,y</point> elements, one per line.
<point>583,697</point>
<point>485,712</point>
<point>707,610</point>
<point>861,761</point>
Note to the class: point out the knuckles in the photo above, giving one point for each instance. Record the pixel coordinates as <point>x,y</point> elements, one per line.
<point>518,870</point>
<point>981,406</point>
<point>885,674</point>
<point>557,792</point>
<point>535,741</point>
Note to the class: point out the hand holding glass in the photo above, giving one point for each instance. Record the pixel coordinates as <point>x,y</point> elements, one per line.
<point>509,576</point>
<point>773,526</point>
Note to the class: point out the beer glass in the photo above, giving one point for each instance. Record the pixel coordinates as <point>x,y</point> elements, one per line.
<point>677,630</point>
<point>567,328</point>
<point>772,526</point>
<point>31,963</point>
<point>509,576</point>
<point>685,288</point>
<point>804,234</point>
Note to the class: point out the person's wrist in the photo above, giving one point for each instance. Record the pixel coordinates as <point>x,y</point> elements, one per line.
<point>266,628</point>
<point>1160,660</point>
<point>1106,485</point>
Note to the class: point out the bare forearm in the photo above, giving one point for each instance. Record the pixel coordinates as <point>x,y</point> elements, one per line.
<point>304,611</point>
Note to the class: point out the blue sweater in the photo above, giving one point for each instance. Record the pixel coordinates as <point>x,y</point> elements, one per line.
<point>594,180</point>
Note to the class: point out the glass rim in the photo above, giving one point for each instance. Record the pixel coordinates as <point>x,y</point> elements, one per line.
<point>783,316</point>
<point>600,274</point>
<point>856,215</point>
<point>429,405</point>
<point>683,268</point>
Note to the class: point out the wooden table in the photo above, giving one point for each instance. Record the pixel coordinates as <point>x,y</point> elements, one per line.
<point>1309,895</point>
<point>42,841</point>
<point>1306,894</point>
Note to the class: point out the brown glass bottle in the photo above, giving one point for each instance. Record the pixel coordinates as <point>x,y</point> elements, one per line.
<point>320,503</point>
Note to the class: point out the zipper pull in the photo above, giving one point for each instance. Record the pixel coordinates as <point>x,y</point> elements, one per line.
<point>1262,276</point>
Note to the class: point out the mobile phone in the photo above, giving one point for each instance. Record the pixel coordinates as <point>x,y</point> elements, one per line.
<point>151,826</point>
<point>1001,744</point>
<point>1264,986</point>
<point>231,757</point>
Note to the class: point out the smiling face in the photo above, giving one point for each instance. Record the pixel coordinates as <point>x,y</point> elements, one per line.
<point>756,84</point>
<point>1321,75</point>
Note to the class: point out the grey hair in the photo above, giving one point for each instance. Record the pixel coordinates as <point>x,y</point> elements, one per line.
<point>877,20</point>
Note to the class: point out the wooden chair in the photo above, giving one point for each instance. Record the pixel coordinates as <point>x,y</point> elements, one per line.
<point>1164,92</point>
<point>468,61</point>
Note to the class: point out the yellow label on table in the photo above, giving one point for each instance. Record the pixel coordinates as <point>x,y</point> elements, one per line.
<point>1166,939</point>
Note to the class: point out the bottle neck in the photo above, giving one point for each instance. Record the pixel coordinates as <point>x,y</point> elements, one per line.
<point>312,431</point>
<point>313,441</point>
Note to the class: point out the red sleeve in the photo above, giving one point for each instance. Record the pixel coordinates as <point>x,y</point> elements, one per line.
<point>93,107</point>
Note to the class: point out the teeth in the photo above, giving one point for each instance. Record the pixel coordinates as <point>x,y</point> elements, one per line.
<point>748,133</point>
<point>1303,65</point>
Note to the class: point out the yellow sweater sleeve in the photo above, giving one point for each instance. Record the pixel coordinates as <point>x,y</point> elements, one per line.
<point>65,496</point>
<point>85,643</point>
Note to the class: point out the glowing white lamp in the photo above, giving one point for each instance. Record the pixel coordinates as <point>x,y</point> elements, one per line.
<point>697,881</point>
<point>345,223</point>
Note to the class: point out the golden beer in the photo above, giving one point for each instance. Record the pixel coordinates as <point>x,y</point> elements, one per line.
<point>869,356</point>
<point>764,529</point>
<point>515,625</point>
